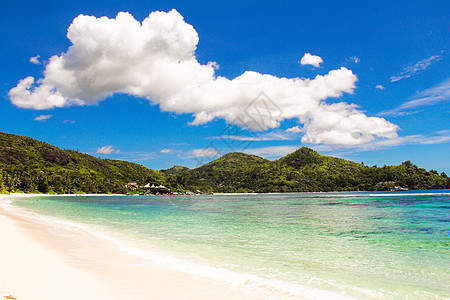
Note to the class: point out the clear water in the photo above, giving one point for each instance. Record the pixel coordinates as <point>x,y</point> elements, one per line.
<point>365,245</point>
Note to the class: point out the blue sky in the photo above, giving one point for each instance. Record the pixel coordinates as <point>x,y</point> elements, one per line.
<point>192,84</point>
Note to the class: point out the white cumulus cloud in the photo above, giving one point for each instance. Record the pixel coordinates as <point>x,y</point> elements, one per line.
<point>309,59</point>
<point>106,150</point>
<point>155,59</point>
<point>379,87</point>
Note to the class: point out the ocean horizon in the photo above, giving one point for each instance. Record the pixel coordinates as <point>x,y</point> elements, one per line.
<point>362,245</point>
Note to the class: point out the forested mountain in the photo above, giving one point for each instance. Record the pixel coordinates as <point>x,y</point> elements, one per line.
<point>304,170</point>
<point>28,165</point>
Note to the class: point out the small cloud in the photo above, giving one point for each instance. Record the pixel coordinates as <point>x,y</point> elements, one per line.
<point>294,129</point>
<point>107,150</point>
<point>69,121</point>
<point>171,151</point>
<point>43,117</point>
<point>379,87</point>
<point>35,60</point>
<point>309,59</point>
<point>354,59</point>
<point>167,151</point>
<point>206,152</point>
<point>419,66</point>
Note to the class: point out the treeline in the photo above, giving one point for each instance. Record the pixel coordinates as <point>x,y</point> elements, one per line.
<point>31,166</point>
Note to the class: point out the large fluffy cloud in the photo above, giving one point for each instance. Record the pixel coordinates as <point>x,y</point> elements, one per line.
<point>156,60</point>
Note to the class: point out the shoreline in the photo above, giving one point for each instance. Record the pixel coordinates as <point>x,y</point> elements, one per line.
<point>107,266</point>
<point>397,192</point>
<point>54,263</point>
<point>32,270</point>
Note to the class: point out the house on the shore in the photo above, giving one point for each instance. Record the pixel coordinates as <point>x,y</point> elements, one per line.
<point>150,187</point>
<point>132,185</point>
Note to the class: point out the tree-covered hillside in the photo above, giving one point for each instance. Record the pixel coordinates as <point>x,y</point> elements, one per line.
<point>232,172</point>
<point>304,170</point>
<point>28,165</point>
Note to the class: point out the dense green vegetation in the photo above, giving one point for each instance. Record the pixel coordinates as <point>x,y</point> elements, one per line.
<point>304,170</point>
<point>28,165</point>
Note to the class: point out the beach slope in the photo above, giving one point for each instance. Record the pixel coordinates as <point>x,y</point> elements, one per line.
<point>38,261</point>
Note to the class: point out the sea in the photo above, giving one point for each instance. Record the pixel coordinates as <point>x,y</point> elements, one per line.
<point>358,245</point>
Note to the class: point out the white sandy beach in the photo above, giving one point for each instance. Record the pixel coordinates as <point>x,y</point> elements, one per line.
<point>30,270</point>
<point>38,262</point>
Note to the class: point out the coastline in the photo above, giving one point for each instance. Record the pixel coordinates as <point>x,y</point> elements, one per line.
<point>32,270</point>
<point>105,264</point>
<point>44,263</point>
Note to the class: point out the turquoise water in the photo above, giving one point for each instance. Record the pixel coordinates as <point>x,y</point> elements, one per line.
<point>366,245</point>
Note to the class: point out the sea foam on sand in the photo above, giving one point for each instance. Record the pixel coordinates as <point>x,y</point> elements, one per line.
<point>29,270</point>
<point>38,261</point>
<point>45,258</point>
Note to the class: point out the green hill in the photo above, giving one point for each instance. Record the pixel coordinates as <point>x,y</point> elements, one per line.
<point>28,165</point>
<point>229,173</point>
<point>304,170</point>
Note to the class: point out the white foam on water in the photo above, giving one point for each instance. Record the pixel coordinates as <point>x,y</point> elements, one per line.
<point>267,286</point>
<point>399,194</point>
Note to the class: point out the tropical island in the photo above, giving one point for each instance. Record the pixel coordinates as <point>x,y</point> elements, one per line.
<point>31,166</point>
